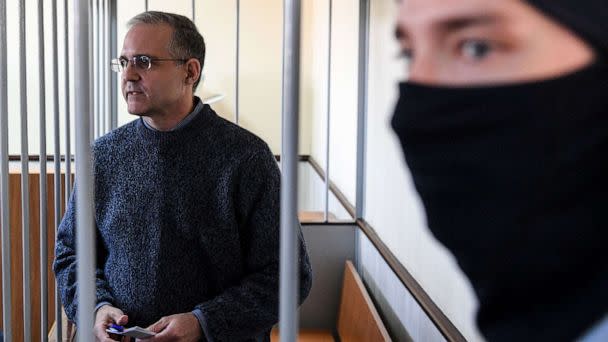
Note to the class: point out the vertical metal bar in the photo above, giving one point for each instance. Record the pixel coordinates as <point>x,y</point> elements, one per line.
<point>25,198</point>
<point>43,193</point>
<point>57,157</point>
<point>328,126</point>
<point>364,18</point>
<point>238,61</point>
<point>4,187</point>
<point>98,56</point>
<point>113,51</point>
<point>92,44</point>
<point>94,34</point>
<point>85,230</point>
<point>68,137</point>
<point>146,5</point>
<point>104,65</point>
<point>194,11</point>
<point>93,76</point>
<point>289,178</point>
<point>100,71</point>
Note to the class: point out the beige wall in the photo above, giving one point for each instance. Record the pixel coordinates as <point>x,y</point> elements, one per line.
<point>260,61</point>
<point>32,66</point>
<point>260,77</point>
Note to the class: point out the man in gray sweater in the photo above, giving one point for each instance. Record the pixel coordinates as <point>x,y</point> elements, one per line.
<point>186,203</point>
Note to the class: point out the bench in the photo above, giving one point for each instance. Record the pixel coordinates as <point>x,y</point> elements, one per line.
<point>358,319</point>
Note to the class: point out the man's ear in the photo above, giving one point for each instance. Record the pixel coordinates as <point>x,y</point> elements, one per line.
<point>193,70</point>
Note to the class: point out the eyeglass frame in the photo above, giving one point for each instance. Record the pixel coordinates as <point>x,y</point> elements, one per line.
<point>117,66</point>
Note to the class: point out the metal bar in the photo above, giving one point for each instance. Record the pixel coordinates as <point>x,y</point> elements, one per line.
<point>105,63</point>
<point>68,139</point>
<point>238,61</point>
<point>328,126</point>
<point>93,76</point>
<point>43,192</point>
<point>113,51</point>
<point>93,46</point>
<point>4,185</point>
<point>57,157</point>
<point>146,5</point>
<point>363,64</point>
<point>94,34</point>
<point>194,11</point>
<point>85,230</point>
<point>289,179</point>
<point>94,85</point>
<point>25,197</point>
<point>100,68</point>
<point>364,12</point>
<point>99,81</point>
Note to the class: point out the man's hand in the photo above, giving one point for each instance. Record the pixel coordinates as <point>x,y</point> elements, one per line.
<point>105,316</point>
<point>181,327</point>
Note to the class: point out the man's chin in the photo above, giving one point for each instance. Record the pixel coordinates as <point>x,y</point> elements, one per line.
<point>137,111</point>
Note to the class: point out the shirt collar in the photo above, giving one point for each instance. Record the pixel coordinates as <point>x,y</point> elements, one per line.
<point>185,121</point>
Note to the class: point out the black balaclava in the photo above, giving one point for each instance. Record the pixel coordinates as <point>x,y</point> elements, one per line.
<point>514,181</point>
<point>588,18</point>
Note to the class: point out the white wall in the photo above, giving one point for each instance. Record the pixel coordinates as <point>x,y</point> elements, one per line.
<point>393,207</point>
<point>260,85</point>
<point>32,64</point>
<point>343,91</point>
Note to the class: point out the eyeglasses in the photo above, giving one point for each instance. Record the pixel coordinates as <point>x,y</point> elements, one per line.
<point>141,62</point>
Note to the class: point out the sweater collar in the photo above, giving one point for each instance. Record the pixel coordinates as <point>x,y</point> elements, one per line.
<point>192,124</point>
<point>185,121</point>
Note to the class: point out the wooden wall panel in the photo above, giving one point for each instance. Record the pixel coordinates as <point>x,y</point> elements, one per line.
<point>34,240</point>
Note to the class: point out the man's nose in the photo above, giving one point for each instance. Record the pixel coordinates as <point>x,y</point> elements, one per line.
<point>130,73</point>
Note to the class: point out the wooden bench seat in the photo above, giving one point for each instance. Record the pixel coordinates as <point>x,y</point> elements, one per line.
<point>358,319</point>
<point>307,335</point>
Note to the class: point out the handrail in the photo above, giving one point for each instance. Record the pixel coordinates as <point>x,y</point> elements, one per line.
<point>333,188</point>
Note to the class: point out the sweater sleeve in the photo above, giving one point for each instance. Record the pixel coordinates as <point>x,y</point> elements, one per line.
<point>251,307</point>
<point>64,265</point>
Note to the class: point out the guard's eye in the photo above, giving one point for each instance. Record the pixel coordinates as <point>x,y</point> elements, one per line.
<point>475,50</point>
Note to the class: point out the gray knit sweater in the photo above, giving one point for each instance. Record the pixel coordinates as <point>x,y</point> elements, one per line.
<point>187,220</point>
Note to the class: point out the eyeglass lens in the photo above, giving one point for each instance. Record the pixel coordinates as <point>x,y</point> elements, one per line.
<point>140,62</point>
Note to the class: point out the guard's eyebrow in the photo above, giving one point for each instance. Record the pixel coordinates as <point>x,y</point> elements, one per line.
<point>454,23</point>
<point>459,23</point>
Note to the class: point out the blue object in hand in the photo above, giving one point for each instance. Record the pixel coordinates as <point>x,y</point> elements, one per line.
<point>117,327</point>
